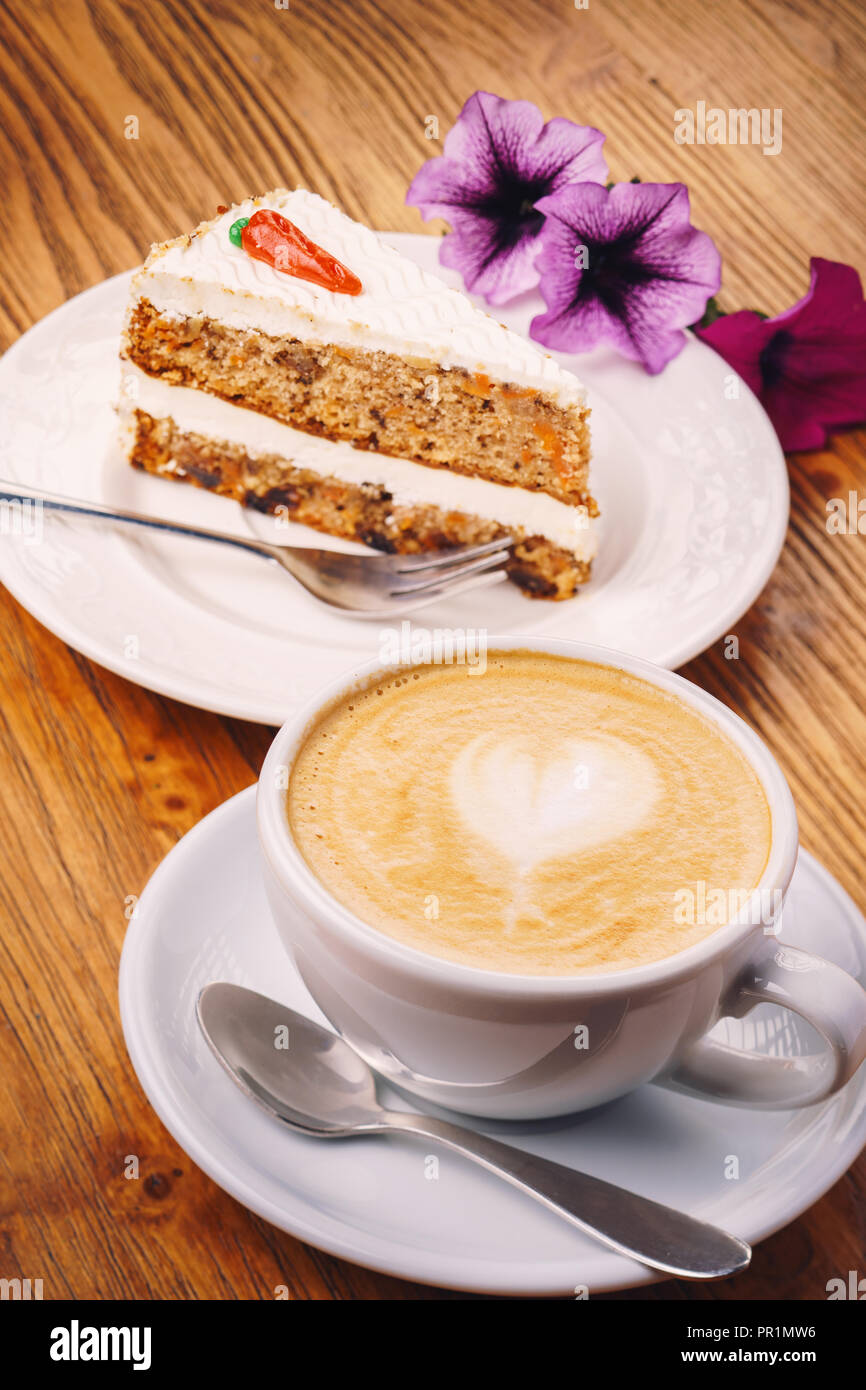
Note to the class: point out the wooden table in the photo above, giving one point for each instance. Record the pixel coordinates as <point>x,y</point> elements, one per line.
<point>98,778</point>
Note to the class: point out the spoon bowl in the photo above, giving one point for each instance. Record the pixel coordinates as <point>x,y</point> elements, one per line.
<point>296,1069</point>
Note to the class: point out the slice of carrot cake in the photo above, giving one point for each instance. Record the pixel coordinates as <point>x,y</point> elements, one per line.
<point>284,356</point>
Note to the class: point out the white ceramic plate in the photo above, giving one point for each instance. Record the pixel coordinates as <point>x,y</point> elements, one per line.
<point>204,917</point>
<point>687,470</point>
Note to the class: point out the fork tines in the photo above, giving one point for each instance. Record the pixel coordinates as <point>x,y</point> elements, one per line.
<point>415,574</point>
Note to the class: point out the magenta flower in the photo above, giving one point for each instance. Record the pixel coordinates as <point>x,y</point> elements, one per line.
<point>807,366</point>
<point>622,266</point>
<point>499,159</point>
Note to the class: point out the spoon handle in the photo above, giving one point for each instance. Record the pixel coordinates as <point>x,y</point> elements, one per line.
<point>654,1234</point>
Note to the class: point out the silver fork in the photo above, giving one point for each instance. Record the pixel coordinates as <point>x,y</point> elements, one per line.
<point>366,586</point>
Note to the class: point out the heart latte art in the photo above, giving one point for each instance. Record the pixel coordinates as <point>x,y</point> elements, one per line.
<point>531,808</point>
<point>544,817</point>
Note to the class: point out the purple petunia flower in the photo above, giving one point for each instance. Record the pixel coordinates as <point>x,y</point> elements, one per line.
<point>807,366</point>
<point>499,159</point>
<point>623,266</point>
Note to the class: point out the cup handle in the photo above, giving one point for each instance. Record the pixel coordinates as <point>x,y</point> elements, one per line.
<point>823,994</point>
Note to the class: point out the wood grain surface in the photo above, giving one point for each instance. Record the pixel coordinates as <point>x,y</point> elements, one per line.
<point>98,778</point>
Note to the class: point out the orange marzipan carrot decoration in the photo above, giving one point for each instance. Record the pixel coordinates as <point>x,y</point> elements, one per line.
<point>272,238</point>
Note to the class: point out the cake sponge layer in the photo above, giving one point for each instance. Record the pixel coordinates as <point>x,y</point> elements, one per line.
<point>417,410</point>
<point>365,512</point>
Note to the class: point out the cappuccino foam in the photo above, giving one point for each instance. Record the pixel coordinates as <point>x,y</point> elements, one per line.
<point>544,818</point>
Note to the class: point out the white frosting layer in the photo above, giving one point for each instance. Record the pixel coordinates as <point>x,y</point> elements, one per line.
<point>409,483</point>
<point>403,309</point>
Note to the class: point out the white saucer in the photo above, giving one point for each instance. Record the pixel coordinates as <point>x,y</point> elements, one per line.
<point>203,917</point>
<point>692,485</point>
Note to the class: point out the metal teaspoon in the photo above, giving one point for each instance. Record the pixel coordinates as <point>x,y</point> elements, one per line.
<point>319,1086</point>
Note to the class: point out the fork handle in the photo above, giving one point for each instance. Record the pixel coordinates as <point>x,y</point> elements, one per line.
<point>53,501</point>
<point>633,1225</point>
